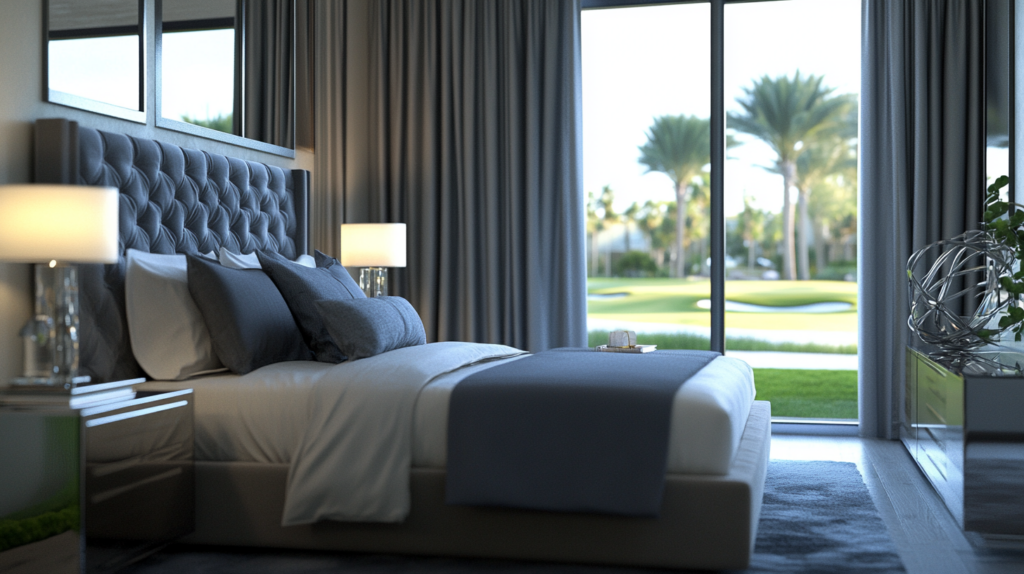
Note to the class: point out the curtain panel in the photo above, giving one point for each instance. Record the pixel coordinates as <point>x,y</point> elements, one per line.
<point>268,98</point>
<point>475,144</point>
<point>328,127</point>
<point>921,170</point>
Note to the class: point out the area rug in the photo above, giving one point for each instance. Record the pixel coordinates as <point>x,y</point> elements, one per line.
<point>817,517</point>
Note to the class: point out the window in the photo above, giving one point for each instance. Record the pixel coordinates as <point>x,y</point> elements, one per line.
<point>789,85</point>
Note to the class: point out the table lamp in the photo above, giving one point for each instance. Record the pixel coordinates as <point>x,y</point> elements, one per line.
<point>374,247</point>
<point>56,226</point>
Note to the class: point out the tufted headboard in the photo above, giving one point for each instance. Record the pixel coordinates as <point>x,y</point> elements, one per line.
<point>173,200</point>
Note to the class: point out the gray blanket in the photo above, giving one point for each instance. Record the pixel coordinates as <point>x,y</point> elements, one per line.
<point>569,430</point>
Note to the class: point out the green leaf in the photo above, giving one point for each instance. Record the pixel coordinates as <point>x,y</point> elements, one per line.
<point>1000,182</point>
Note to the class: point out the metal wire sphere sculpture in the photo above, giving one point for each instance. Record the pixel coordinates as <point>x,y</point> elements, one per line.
<point>938,292</point>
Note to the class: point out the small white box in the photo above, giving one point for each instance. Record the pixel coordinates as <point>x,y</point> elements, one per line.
<point>622,339</point>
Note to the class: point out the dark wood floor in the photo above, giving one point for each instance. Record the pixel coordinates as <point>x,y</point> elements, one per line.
<point>925,534</point>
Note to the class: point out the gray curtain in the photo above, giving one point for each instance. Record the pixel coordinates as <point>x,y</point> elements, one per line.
<point>305,72</point>
<point>328,132</point>
<point>268,98</point>
<point>921,170</point>
<point>475,143</point>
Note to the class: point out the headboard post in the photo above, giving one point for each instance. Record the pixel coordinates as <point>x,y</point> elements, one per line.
<point>301,194</point>
<point>56,151</point>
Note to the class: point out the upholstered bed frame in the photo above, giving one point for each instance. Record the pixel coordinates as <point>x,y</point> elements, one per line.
<point>188,201</point>
<point>173,200</point>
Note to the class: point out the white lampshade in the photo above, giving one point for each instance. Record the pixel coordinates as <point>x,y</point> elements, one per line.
<point>373,244</point>
<point>68,223</point>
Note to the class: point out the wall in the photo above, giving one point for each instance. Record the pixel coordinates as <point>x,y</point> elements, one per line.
<point>21,103</point>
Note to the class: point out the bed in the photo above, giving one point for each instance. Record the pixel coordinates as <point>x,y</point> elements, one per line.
<point>176,200</point>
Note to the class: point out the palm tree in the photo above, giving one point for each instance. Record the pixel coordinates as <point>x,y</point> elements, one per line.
<point>608,217</point>
<point>594,227</point>
<point>680,147</point>
<point>652,219</point>
<point>629,216</point>
<point>751,224</point>
<point>819,161</point>
<point>698,218</point>
<point>789,114</point>
<point>833,209</point>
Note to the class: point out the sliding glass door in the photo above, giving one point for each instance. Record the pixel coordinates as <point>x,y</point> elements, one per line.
<point>769,273</point>
<point>647,172</point>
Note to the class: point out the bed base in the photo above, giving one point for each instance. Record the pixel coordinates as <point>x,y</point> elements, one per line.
<point>706,522</point>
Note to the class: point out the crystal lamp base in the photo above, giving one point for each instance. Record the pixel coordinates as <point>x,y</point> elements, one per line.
<point>374,281</point>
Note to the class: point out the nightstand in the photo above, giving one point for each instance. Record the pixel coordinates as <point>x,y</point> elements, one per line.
<point>113,463</point>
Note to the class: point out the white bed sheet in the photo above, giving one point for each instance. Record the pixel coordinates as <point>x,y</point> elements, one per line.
<point>262,416</point>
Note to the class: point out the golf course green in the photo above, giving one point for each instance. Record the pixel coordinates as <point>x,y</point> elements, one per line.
<point>665,300</point>
<point>794,393</point>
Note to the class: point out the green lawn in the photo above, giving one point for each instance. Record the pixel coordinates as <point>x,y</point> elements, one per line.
<point>793,393</point>
<point>664,300</point>
<point>820,394</point>
<point>808,393</point>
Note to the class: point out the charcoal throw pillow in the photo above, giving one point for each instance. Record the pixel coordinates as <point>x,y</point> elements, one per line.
<point>339,272</point>
<point>248,319</point>
<point>366,327</point>
<point>301,286</point>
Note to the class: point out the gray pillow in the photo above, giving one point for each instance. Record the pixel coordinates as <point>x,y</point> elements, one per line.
<point>248,320</point>
<point>301,286</point>
<point>371,326</point>
<point>338,271</point>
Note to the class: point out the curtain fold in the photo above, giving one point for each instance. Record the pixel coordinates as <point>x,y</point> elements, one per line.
<point>327,191</point>
<point>305,73</point>
<point>475,143</point>
<point>921,169</point>
<point>268,112</point>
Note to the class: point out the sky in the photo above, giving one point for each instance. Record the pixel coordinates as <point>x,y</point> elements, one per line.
<point>640,63</point>
<point>198,71</point>
<point>207,55</point>
<point>102,69</point>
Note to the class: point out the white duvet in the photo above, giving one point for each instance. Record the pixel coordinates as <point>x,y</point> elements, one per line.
<point>351,432</point>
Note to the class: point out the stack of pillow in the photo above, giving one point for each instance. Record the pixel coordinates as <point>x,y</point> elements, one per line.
<point>191,315</point>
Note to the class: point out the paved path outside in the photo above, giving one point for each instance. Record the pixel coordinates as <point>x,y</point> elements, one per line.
<point>775,360</point>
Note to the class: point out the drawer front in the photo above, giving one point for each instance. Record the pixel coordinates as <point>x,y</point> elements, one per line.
<point>139,477</point>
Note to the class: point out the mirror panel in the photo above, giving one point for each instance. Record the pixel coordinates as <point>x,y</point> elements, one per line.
<point>228,66</point>
<point>94,54</point>
<point>198,63</point>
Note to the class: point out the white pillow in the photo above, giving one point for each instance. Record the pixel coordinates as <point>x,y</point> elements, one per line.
<point>168,335</point>
<point>250,261</point>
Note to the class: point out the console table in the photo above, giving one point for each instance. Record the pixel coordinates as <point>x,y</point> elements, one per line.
<point>965,430</point>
